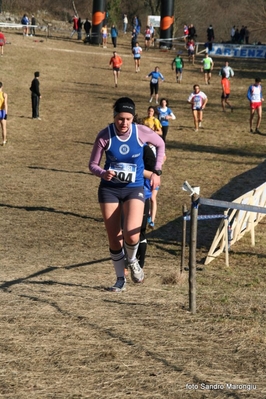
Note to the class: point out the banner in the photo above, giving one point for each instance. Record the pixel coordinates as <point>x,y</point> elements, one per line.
<point>238,50</point>
<point>167,23</point>
<point>98,19</point>
<point>154,20</point>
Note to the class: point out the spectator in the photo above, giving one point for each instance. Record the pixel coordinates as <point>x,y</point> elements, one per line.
<point>135,22</point>
<point>80,24</point>
<point>87,27</point>
<point>237,36</point>
<point>104,32</point>
<point>246,35</point>
<point>75,25</point>
<point>242,34</point>
<point>35,96</point>
<point>125,23</point>
<point>114,34</point>
<point>25,22</point>
<point>210,34</point>
<point>191,32</point>
<point>32,28</point>
<point>233,31</point>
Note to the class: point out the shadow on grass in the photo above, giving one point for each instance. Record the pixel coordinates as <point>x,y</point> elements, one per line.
<point>49,209</point>
<point>47,271</point>
<point>171,232</point>
<point>61,170</point>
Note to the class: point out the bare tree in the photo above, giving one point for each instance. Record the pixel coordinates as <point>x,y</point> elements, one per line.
<point>221,14</point>
<point>154,6</point>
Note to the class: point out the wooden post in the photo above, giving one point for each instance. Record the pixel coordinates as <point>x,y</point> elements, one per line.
<point>184,232</point>
<point>252,228</point>
<point>192,253</point>
<point>226,239</point>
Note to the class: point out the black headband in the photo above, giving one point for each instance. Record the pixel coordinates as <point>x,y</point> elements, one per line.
<point>124,107</point>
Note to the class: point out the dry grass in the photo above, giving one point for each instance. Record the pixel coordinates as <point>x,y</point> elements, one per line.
<point>62,334</point>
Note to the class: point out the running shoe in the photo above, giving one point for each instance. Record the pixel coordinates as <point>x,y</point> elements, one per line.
<point>151,225</point>
<point>119,286</point>
<point>149,219</point>
<point>251,131</point>
<point>137,273</point>
<point>257,131</point>
<point>200,124</point>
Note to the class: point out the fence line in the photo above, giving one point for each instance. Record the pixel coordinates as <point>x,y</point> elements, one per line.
<point>241,221</point>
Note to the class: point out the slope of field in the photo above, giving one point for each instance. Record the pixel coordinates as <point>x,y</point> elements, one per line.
<point>62,334</point>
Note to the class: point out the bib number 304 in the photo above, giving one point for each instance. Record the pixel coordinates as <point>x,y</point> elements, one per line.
<point>124,172</point>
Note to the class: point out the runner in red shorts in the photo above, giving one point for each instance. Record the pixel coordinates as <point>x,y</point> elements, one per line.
<point>255,97</point>
<point>116,62</point>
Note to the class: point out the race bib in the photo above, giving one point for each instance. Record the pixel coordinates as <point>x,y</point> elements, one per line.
<point>197,102</point>
<point>154,80</point>
<point>124,172</point>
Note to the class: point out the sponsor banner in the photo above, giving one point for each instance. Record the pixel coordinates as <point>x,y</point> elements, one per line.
<point>238,50</point>
<point>154,20</point>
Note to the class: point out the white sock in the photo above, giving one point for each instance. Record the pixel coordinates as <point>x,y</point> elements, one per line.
<point>119,262</point>
<point>131,251</point>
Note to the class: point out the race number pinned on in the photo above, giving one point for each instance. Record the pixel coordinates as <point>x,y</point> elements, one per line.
<point>124,172</point>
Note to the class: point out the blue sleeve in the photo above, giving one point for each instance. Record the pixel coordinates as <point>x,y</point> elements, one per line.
<point>249,93</point>
<point>161,76</point>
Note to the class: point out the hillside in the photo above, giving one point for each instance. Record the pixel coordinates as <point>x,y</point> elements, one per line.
<point>222,15</point>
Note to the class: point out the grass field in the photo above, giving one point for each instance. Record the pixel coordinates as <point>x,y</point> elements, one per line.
<point>62,334</point>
